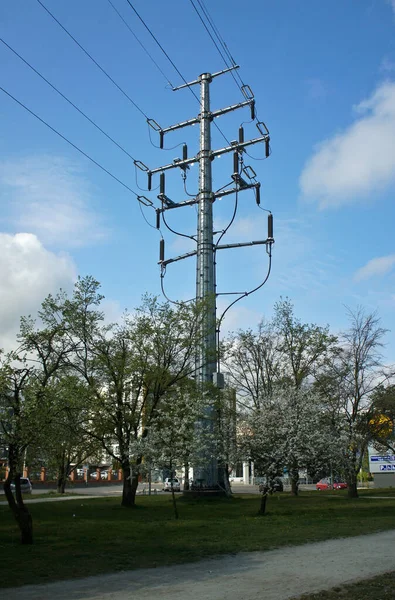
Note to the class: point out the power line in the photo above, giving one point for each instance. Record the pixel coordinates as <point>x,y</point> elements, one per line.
<point>160,45</point>
<point>68,141</point>
<point>67,99</point>
<point>228,61</point>
<point>219,36</point>
<point>170,60</point>
<point>235,75</point>
<point>93,60</point>
<point>141,44</point>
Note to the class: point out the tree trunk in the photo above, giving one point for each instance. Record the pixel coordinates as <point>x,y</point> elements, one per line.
<point>262,509</point>
<point>18,508</point>
<point>352,490</point>
<point>186,477</point>
<point>174,501</point>
<point>223,479</point>
<point>130,482</point>
<point>128,497</point>
<point>61,485</point>
<point>228,488</point>
<point>294,475</point>
<point>351,478</point>
<point>62,479</point>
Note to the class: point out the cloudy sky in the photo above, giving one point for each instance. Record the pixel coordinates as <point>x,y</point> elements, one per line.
<point>323,75</point>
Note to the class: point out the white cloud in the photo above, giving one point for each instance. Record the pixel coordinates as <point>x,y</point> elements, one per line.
<point>392,3</point>
<point>375,267</point>
<point>28,273</point>
<point>358,161</point>
<point>49,197</point>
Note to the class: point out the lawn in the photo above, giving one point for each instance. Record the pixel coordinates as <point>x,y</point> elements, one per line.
<point>377,588</point>
<point>87,537</point>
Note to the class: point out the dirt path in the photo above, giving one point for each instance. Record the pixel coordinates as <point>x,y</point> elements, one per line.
<point>274,575</point>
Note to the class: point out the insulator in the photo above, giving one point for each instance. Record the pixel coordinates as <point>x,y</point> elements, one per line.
<point>149,180</point>
<point>258,194</point>
<point>161,138</point>
<point>162,183</point>
<point>158,219</point>
<point>184,152</point>
<point>252,106</point>
<point>162,250</point>
<point>241,135</point>
<point>270,226</point>
<point>236,162</point>
<point>267,147</point>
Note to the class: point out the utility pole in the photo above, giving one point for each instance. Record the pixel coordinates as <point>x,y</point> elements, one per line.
<point>207,364</point>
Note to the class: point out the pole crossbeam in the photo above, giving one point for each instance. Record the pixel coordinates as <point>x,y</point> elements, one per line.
<point>242,244</point>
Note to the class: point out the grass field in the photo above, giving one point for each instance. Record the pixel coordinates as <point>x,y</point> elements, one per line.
<point>378,588</point>
<point>84,537</point>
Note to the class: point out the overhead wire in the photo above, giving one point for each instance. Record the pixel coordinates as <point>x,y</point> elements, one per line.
<point>93,60</point>
<point>171,62</point>
<point>68,141</point>
<point>67,99</point>
<point>191,237</point>
<point>140,42</point>
<point>229,61</point>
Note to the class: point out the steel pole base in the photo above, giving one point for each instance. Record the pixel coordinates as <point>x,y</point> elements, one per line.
<point>196,491</point>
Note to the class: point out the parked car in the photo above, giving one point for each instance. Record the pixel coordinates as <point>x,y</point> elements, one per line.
<point>26,486</point>
<point>325,484</point>
<point>104,474</point>
<point>339,485</point>
<point>169,483</point>
<point>93,475</point>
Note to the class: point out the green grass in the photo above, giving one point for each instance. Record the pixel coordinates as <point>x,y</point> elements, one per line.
<point>378,588</point>
<point>88,537</point>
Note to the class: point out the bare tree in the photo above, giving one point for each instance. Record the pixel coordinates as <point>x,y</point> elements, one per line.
<point>350,384</point>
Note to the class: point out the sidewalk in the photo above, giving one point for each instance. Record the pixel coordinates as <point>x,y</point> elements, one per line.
<point>275,575</point>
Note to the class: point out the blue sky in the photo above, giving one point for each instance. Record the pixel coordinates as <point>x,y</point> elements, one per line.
<point>323,74</point>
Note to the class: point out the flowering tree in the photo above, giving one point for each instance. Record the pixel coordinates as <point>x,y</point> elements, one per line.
<point>289,433</point>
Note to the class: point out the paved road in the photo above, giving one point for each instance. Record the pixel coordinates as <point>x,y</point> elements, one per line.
<point>275,575</point>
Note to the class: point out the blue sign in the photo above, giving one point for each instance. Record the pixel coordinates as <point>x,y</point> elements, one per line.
<point>387,467</point>
<point>386,458</point>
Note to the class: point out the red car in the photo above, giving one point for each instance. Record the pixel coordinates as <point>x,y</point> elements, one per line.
<point>325,484</point>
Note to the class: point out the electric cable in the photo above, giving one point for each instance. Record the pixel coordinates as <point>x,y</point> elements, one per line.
<point>67,100</point>
<point>244,295</point>
<point>230,222</point>
<point>93,60</point>
<point>171,62</point>
<point>162,285</point>
<point>68,141</point>
<point>184,178</point>
<point>235,208</point>
<point>141,44</point>
<point>146,220</point>
<point>191,237</point>
<point>156,145</point>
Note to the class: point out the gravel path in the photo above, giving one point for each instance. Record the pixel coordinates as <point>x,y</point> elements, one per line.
<point>274,575</point>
